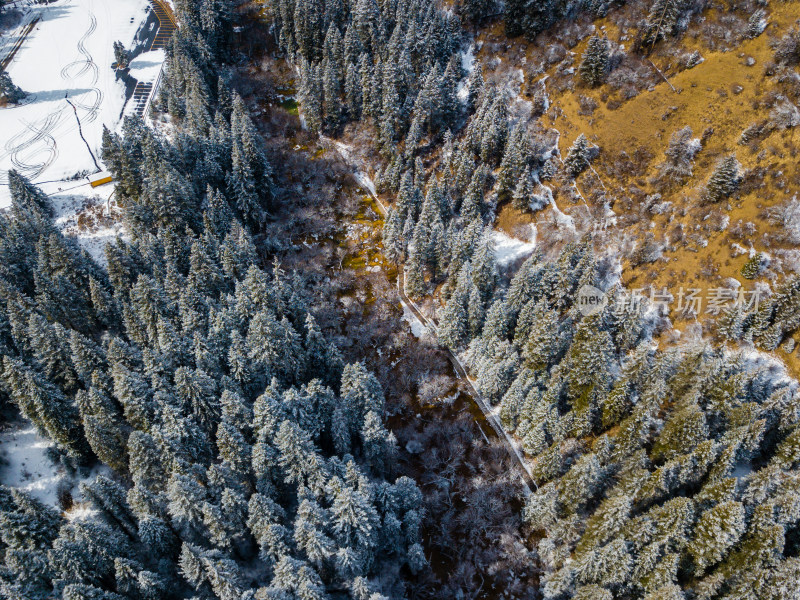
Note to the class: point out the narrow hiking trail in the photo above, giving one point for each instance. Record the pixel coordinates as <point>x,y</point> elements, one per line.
<point>480,402</point>
<point>458,367</point>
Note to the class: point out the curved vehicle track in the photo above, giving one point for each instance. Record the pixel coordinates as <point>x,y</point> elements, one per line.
<point>86,65</point>
<point>33,170</point>
<point>88,62</point>
<point>17,146</point>
<point>22,147</point>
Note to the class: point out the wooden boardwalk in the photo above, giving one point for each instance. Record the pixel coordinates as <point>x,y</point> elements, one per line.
<point>166,25</point>
<point>143,91</point>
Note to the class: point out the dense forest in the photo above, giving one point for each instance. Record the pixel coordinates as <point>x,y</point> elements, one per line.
<point>660,473</point>
<point>243,452</point>
<point>239,446</point>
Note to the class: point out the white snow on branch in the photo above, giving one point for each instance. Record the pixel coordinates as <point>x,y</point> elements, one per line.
<point>766,363</point>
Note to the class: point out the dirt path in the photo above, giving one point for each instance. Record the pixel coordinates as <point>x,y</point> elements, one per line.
<point>458,367</point>
<point>461,373</point>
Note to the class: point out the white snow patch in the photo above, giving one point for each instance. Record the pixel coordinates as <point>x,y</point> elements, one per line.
<point>790,259</point>
<point>788,214</point>
<point>468,66</point>
<point>542,84</point>
<point>756,360</point>
<point>365,181</point>
<point>93,236</point>
<point>508,249</point>
<point>563,220</point>
<point>67,56</point>
<point>146,67</point>
<point>28,468</point>
<point>468,59</point>
<point>739,249</point>
<point>95,242</point>
<point>417,328</point>
<point>462,92</point>
<point>80,513</point>
<point>542,196</point>
<point>694,146</point>
<point>523,108</point>
<point>360,171</point>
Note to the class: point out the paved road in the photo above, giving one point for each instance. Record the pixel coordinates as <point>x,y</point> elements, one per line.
<point>460,370</point>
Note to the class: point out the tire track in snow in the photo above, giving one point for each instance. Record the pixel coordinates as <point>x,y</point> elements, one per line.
<point>92,108</point>
<point>18,144</point>
<point>43,130</point>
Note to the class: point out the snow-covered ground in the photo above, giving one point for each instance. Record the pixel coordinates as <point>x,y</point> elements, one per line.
<point>417,328</point>
<point>508,249</point>
<point>360,171</point>
<point>27,466</point>
<point>67,57</point>
<point>88,217</point>
<point>147,65</point>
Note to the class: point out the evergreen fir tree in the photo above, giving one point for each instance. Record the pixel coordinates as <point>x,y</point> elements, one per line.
<point>661,20</point>
<point>594,62</point>
<point>475,85</point>
<point>10,93</point>
<point>579,157</point>
<point>724,181</point>
<point>717,530</point>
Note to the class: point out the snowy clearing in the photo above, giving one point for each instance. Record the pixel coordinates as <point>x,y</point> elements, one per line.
<point>66,59</point>
<point>28,467</point>
<point>87,214</point>
<point>417,328</point>
<point>508,249</point>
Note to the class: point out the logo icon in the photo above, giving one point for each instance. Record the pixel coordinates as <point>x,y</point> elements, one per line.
<point>590,300</point>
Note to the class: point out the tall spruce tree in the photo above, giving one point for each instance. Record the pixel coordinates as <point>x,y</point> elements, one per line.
<point>594,62</point>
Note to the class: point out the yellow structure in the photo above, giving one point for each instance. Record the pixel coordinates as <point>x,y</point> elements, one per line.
<point>99,179</point>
